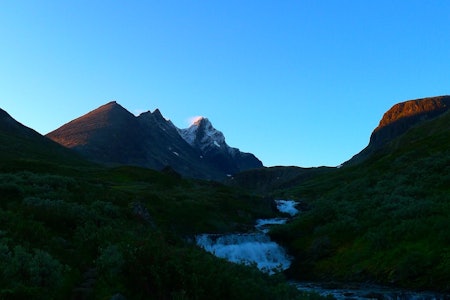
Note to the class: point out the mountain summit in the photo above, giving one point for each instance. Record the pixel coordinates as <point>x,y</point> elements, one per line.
<point>112,135</point>
<point>202,135</point>
<point>211,143</point>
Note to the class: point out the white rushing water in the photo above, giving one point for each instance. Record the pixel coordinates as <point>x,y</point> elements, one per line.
<point>287,206</point>
<point>252,248</point>
<point>263,225</point>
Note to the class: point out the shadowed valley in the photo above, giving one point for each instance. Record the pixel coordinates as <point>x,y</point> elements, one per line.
<point>108,205</point>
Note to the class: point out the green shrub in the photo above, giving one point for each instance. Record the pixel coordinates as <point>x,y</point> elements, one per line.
<point>110,262</point>
<point>58,214</point>
<point>22,270</point>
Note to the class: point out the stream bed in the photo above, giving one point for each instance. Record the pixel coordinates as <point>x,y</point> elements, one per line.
<point>253,247</point>
<point>361,291</point>
<point>256,248</point>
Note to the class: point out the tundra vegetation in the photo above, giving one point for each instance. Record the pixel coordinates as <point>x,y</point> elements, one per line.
<point>95,232</point>
<point>385,220</point>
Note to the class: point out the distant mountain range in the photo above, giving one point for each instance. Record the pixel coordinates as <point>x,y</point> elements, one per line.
<point>112,135</point>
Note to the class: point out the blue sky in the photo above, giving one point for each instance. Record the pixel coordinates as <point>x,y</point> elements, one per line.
<point>295,82</point>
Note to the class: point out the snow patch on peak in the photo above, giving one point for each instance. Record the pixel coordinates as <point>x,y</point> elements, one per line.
<point>189,134</point>
<point>203,135</point>
<point>208,136</point>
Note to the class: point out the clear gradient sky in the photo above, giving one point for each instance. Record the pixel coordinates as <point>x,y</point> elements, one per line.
<point>295,82</point>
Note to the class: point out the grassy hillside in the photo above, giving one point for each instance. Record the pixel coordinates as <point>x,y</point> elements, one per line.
<point>385,220</point>
<point>268,181</point>
<point>128,229</point>
<point>73,230</point>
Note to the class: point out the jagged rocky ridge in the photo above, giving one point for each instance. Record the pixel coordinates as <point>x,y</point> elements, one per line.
<point>211,143</point>
<point>112,135</point>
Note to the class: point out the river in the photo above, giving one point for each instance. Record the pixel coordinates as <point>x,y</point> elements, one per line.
<point>256,248</point>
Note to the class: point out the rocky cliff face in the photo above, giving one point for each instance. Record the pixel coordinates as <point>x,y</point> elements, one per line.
<point>403,116</point>
<point>399,119</point>
<point>211,143</point>
<point>112,135</point>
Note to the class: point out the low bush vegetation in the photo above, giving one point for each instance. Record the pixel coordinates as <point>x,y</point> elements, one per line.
<point>127,231</point>
<point>385,220</point>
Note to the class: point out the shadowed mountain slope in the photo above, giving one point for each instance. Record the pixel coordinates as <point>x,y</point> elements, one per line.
<point>112,135</point>
<point>20,144</point>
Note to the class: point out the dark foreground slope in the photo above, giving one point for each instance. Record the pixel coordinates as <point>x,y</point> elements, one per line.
<point>384,220</point>
<point>73,230</point>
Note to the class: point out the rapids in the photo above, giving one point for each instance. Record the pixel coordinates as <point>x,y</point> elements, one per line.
<point>254,248</point>
<point>249,248</point>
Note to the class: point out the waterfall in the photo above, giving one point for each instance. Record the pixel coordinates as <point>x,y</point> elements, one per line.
<point>252,248</point>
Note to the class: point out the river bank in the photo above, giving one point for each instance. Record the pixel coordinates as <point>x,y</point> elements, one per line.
<point>361,291</point>
<point>256,248</point>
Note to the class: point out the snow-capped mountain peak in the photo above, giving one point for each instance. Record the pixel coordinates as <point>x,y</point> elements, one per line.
<point>203,135</point>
